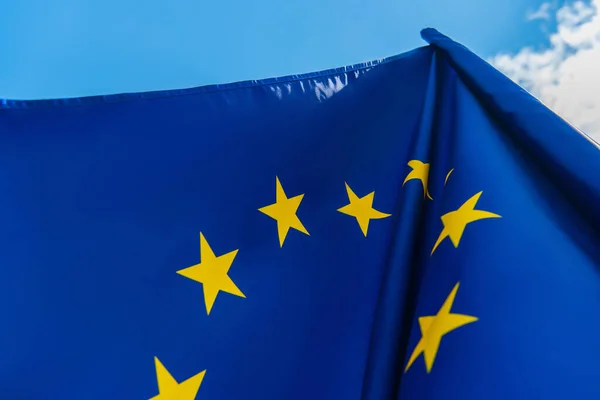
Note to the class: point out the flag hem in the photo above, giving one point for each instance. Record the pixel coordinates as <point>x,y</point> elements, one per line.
<point>147,95</point>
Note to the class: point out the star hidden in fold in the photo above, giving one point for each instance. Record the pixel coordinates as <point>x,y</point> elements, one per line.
<point>420,171</point>
<point>433,328</point>
<point>362,209</point>
<point>455,222</point>
<point>169,389</point>
<point>284,212</point>
<point>212,274</point>
<point>448,176</point>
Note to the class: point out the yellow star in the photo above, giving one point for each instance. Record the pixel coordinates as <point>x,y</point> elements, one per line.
<point>284,212</point>
<point>455,222</point>
<point>420,171</point>
<point>362,209</point>
<point>169,389</point>
<point>433,328</point>
<point>212,274</point>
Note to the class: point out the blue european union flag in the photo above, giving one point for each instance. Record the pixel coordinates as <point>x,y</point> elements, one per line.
<point>417,227</point>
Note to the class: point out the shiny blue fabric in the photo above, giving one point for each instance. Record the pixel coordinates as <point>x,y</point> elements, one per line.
<point>103,200</point>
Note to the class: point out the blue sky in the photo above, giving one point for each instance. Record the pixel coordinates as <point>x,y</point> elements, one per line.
<point>67,48</point>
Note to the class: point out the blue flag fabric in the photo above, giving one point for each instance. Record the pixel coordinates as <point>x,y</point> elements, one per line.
<point>417,227</point>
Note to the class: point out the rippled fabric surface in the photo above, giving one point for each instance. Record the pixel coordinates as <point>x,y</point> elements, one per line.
<point>417,227</point>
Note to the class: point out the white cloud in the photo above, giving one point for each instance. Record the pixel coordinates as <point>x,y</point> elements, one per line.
<point>541,13</point>
<point>566,75</point>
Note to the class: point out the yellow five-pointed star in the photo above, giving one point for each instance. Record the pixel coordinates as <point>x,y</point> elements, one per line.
<point>284,212</point>
<point>212,274</point>
<point>433,328</point>
<point>455,222</point>
<point>420,171</point>
<point>169,389</point>
<point>362,209</point>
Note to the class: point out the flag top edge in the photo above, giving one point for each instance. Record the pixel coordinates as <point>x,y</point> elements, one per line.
<point>454,52</point>
<point>146,95</point>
